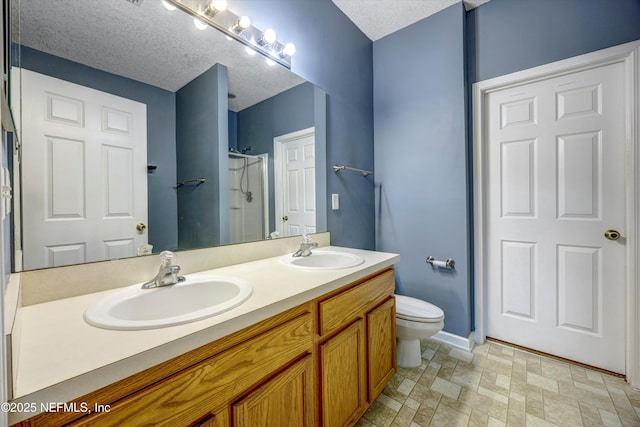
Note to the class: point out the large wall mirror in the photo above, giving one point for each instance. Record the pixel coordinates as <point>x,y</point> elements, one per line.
<point>139,132</point>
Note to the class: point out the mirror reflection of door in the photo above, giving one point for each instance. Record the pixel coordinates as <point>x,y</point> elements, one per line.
<point>295,187</point>
<point>84,173</point>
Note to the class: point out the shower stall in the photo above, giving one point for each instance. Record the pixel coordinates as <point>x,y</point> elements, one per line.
<point>248,197</point>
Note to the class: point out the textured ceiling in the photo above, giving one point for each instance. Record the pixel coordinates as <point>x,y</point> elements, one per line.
<point>146,43</point>
<point>152,45</point>
<point>378,18</point>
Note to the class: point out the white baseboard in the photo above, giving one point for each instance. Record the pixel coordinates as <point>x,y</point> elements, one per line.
<point>455,340</point>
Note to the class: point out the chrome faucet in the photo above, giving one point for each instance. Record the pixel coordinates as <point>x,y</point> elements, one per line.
<point>168,273</point>
<point>305,246</point>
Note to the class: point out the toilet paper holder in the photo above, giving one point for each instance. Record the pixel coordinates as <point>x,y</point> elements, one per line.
<point>449,263</point>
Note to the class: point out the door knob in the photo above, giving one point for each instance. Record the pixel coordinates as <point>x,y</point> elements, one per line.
<point>612,234</point>
<point>285,218</point>
<point>141,227</point>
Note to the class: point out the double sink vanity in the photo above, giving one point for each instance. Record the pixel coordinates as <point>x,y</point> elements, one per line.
<point>304,340</point>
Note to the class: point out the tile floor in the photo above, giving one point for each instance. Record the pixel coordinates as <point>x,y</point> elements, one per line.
<point>496,385</point>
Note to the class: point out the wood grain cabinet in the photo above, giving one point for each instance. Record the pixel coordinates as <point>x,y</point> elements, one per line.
<point>204,392</point>
<point>285,401</point>
<point>320,363</point>
<point>381,347</point>
<point>343,376</point>
<point>357,348</point>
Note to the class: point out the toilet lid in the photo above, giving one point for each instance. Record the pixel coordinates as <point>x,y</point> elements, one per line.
<point>417,310</point>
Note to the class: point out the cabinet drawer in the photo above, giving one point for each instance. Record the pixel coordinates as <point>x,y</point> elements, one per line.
<point>196,391</point>
<point>350,304</point>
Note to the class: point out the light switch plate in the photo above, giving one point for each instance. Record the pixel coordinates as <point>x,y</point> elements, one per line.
<point>335,202</point>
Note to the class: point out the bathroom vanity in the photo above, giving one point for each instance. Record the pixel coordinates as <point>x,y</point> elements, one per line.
<point>312,347</point>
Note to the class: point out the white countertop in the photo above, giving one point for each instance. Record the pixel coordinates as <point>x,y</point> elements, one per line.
<point>62,357</point>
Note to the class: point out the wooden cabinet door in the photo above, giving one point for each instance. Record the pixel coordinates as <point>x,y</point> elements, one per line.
<point>220,419</point>
<point>284,401</point>
<point>381,350</point>
<point>343,376</point>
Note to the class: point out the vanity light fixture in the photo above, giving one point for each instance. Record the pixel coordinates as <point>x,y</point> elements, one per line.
<point>214,13</point>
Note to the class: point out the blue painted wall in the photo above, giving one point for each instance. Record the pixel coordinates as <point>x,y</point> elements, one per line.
<point>161,132</point>
<point>513,35</point>
<point>233,130</point>
<point>287,112</point>
<point>202,149</point>
<point>333,54</point>
<point>422,80</point>
<point>420,160</point>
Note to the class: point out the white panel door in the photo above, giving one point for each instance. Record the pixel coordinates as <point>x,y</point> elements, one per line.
<point>296,189</point>
<point>556,185</point>
<point>84,173</point>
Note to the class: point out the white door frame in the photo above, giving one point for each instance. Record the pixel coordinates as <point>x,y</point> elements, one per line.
<point>629,55</point>
<point>279,169</point>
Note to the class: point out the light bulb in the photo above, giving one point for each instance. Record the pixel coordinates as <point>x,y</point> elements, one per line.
<point>244,22</point>
<point>168,5</point>
<point>214,6</point>
<point>289,49</point>
<point>269,36</point>
<point>219,5</point>
<point>249,51</point>
<point>199,24</point>
<point>241,24</point>
<point>270,62</point>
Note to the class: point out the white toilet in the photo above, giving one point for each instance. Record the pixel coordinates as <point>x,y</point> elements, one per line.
<point>415,320</point>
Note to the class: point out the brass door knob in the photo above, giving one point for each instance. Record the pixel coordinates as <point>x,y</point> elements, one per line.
<point>285,218</point>
<point>141,227</point>
<point>612,234</point>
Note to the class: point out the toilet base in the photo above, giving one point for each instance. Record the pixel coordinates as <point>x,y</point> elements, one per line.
<point>409,355</point>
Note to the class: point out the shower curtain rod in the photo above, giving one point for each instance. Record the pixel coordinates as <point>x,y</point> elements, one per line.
<point>248,156</point>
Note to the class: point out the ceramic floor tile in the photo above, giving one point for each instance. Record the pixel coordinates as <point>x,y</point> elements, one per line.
<point>556,371</point>
<point>406,386</point>
<point>495,385</point>
<point>561,413</point>
<point>466,378</point>
<point>461,355</point>
<point>446,416</point>
<point>404,417</point>
<point>493,395</point>
<point>610,419</point>
<point>380,415</point>
<point>542,382</point>
<point>447,388</point>
<point>590,415</point>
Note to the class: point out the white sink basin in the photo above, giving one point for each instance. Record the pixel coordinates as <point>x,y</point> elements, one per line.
<point>324,260</point>
<point>196,298</point>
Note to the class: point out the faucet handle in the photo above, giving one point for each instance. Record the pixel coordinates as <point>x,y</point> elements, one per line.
<point>306,238</point>
<point>166,258</point>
